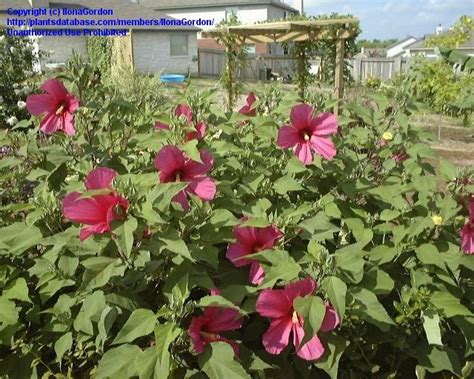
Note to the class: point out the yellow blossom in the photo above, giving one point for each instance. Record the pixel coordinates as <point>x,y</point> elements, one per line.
<point>437,220</point>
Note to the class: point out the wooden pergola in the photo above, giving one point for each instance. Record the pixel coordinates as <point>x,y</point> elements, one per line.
<point>337,30</point>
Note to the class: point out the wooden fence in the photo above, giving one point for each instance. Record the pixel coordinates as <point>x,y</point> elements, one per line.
<point>381,68</point>
<point>211,64</point>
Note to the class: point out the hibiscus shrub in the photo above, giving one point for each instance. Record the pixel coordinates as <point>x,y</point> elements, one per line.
<point>190,242</point>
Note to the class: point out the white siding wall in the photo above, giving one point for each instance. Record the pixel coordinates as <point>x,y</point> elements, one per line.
<point>151,51</point>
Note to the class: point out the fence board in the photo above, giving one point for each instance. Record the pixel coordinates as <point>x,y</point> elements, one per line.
<point>381,68</point>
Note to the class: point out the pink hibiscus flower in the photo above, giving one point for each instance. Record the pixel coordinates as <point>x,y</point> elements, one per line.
<point>247,108</point>
<point>307,133</point>
<point>205,329</point>
<point>467,232</point>
<point>278,306</point>
<point>252,240</point>
<point>97,211</point>
<point>186,111</point>
<point>57,105</point>
<point>175,166</point>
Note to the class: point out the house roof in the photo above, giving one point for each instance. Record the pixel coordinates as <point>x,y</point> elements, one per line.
<point>122,9</point>
<point>420,44</point>
<point>400,42</point>
<point>183,4</point>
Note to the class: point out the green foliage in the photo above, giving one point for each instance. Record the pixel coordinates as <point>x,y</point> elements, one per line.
<point>99,50</point>
<point>236,55</point>
<point>16,78</point>
<point>457,34</point>
<point>118,305</point>
<point>437,84</point>
<point>375,43</point>
<point>325,49</point>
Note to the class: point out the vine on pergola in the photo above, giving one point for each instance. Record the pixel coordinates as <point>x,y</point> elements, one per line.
<point>235,60</point>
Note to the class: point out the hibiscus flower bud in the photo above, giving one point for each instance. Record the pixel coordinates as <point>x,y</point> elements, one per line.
<point>437,220</point>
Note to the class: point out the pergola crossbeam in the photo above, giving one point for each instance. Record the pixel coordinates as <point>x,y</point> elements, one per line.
<point>337,30</point>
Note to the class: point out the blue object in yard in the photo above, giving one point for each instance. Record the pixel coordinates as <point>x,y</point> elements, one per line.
<point>172,78</point>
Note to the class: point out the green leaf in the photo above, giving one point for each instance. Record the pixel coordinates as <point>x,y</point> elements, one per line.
<point>368,308</point>
<point>99,271</point>
<point>334,348</point>
<point>431,327</point>
<point>17,290</point>
<point>377,281</point>
<point>8,312</point>
<point>312,309</point>
<point>19,237</point>
<point>449,304</point>
<point>124,233</point>
<point>140,323</point>
<point>63,344</point>
<point>437,359</point>
<point>336,290</point>
<point>165,334</point>
<point>191,150</point>
<point>286,184</point>
<point>217,301</point>
<point>429,254</point>
<point>218,362</point>
<point>176,245</point>
<point>118,362</point>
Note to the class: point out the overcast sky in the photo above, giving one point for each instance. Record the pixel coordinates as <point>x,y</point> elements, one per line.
<point>394,18</point>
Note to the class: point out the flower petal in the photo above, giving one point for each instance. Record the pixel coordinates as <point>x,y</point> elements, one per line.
<point>168,160</point>
<point>300,288</point>
<point>182,198</point>
<point>331,319</point>
<point>194,332</point>
<point>55,88</point>
<point>51,123</point>
<point>68,124</point>
<point>301,115</point>
<point>194,168</point>
<point>276,338</point>
<point>83,211</point>
<point>235,252</point>
<point>204,188</point>
<point>324,124</point>
<point>160,125</point>
<point>303,152</point>
<point>100,177</point>
<point>288,137</point>
<point>467,238</point>
<point>267,237</point>
<point>184,110</point>
<point>222,319</point>
<point>39,104</point>
<point>311,350</point>
<point>256,273</point>
<point>324,146</point>
<point>200,129</point>
<point>274,304</point>
<point>88,231</point>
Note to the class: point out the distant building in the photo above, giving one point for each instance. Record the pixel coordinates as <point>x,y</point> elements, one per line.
<point>419,47</point>
<point>170,49</point>
<point>398,49</point>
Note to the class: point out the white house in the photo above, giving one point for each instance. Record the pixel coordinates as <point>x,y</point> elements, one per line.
<point>157,48</point>
<point>399,48</point>
<point>247,11</point>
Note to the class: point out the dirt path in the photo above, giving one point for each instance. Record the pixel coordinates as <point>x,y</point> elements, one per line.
<point>452,141</point>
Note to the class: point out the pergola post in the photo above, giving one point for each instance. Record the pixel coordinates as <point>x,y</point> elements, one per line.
<point>339,79</point>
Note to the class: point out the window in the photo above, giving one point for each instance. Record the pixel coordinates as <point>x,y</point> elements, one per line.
<point>249,49</point>
<point>285,15</point>
<point>178,44</point>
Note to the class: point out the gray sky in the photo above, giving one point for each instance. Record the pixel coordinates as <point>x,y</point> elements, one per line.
<point>383,19</point>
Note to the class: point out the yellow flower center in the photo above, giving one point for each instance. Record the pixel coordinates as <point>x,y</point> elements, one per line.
<point>306,137</point>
